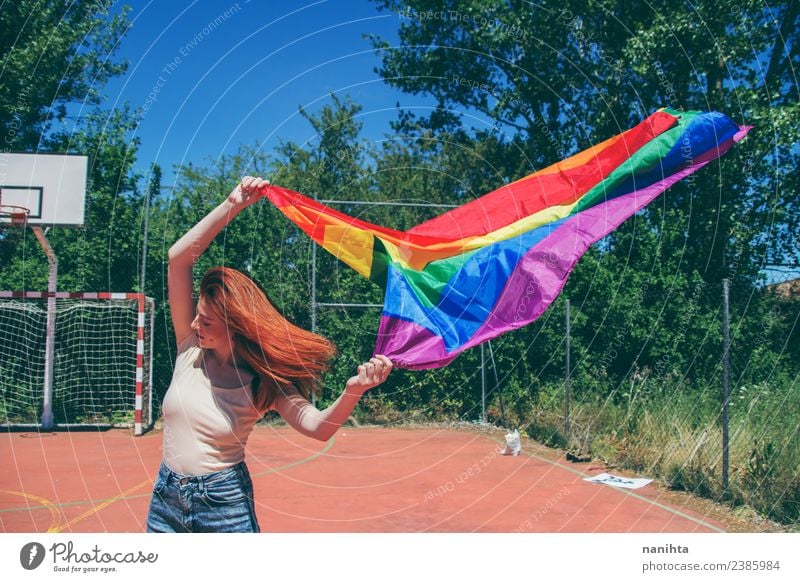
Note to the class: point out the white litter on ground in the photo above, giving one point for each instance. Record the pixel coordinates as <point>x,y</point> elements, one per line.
<point>513,446</point>
<point>615,481</point>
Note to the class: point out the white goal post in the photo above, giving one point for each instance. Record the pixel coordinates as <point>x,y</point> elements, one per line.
<point>93,367</point>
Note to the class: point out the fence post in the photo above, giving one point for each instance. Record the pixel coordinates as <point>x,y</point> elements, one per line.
<point>483,384</point>
<point>566,380</point>
<point>47,420</point>
<point>313,299</point>
<point>726,344</point>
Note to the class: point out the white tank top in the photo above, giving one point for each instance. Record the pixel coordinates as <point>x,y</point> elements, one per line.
<point>205,427</point>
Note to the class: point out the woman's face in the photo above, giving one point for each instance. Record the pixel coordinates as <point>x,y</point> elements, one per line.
<point>212,331</point>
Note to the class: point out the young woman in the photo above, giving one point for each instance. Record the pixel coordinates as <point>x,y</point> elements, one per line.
<point>237,358</point>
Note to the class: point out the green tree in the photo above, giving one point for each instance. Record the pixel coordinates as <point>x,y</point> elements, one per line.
<point>53,54</point>
<point>565,75</point>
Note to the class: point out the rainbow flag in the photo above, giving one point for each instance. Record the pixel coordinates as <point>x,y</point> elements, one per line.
<point>496,263</point>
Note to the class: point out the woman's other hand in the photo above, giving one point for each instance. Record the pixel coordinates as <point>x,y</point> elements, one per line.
<point>370,374</point>
<point>248,191</point>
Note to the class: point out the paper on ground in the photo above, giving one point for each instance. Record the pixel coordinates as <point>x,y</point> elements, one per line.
<point>626,482</point>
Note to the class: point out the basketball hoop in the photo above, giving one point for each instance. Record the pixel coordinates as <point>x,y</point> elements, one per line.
<point>16,216</point>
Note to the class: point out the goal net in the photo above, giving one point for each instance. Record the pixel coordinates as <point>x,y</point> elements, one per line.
<point>100,373</point>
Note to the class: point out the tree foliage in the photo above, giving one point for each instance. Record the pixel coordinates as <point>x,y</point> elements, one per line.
<point>53,54</point>
<point>553,78</point>
<point>561,76</point>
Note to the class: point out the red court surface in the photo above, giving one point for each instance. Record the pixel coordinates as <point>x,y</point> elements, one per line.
<point>362,480</point>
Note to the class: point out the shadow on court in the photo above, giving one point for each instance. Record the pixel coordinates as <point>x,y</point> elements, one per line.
<point>362,480</point>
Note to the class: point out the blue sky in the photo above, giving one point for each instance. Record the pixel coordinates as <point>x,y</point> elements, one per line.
<point>212,75</point>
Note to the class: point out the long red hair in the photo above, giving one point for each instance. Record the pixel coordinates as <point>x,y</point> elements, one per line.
<point>280,353</point>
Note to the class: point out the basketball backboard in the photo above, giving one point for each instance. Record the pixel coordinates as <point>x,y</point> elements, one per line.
<point>51,186</point>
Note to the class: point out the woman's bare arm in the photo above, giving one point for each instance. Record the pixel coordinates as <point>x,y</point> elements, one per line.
<point>184,253</point>
<point>304,417</point>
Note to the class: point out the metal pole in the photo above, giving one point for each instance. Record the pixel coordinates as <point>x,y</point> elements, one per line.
<point>321,304</point>
<point>483,384</point>
<point>143,273</point>
<point>313,299</point>
<point>50,341</point>
<point>726,344</point>
<point>497,383</point>
<point>151,303</point>
<point>373,203</point>
<point>566,378</point>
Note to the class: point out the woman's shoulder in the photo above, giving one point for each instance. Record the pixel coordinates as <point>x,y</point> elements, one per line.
<point>188,350</point>
<point>188,342</point>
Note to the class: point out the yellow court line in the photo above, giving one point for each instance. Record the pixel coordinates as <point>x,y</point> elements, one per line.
<point>57,527</point>
<point>150,482</point>
<point>97,508</point>
<point>55,512</point>
<point>66,504</point>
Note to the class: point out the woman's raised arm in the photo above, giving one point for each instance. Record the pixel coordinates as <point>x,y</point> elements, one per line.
<point>184,253</point>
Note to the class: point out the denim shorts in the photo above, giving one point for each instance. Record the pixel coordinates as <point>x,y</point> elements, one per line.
<point>216,502</point>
